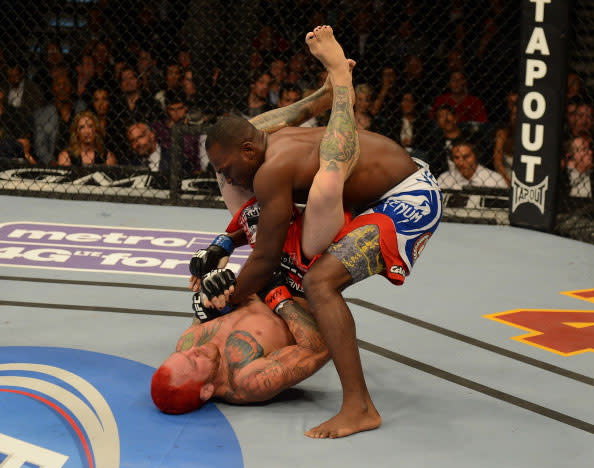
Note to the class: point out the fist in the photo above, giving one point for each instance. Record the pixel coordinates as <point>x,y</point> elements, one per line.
<point>217,287</point>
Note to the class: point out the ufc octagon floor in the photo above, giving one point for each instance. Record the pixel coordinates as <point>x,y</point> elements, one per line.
<point>455,389</point>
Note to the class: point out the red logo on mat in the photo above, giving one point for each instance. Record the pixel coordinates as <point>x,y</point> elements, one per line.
<point>564,332</point>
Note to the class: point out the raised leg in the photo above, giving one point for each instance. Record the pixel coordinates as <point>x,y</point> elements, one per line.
<point>339,149</point>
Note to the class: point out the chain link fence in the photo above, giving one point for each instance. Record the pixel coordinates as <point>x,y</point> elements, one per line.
<point>109,100</point>
<point>575,208</point>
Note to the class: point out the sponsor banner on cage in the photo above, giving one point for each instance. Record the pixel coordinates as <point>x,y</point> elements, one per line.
<point>103,248</point>
<point>540,112</point>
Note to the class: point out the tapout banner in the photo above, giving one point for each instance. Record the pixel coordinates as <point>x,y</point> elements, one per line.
<point>541,107</point>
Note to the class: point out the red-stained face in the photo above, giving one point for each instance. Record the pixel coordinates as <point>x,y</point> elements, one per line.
<point>198,364</point>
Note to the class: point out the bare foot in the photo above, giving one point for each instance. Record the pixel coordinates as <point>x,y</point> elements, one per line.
<point>323,46</point>
<point>347,422</point>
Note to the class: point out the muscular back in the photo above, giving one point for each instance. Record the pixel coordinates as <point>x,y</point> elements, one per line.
<point>382,164</point>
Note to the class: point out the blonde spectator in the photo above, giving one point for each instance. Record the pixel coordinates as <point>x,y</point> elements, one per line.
<point>363,101</point>
<point>86,143</point>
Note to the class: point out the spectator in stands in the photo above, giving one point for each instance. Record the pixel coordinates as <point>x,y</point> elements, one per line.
<point>289,94</point>
<point>468,108</point>
<point>569,123</point>
<point>102,58</point>
<point>15,132</point>
<point>23,94</point>
<point>43,77</point>
<point>411,127</point>
<point>364,42</point>
<point>575,86</point>
<point>86,143</point>
<point>184,59</point>
<point>363,101</point>
<point>581,120</point>
<point>385,103</point>
<point>176,112</point>
<point>466,170</point>
<point>441,139</point>
<point>145,148</point>
<point>269,43</point>
<point>191,97</point>
<point>278,72</point>
<point>579,173</point>
<point>101,106</point>
<point>149,75</point>
<point>52,122</point>
<point>85,72</point>
<point>296,70</point>
<point>132,105</point>
<point>503,150</point>
<point>173,76</point>
<point>415,80</point>
<point>257,100</point>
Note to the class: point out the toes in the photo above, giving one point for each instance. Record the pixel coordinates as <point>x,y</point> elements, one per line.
<point>309,36</point>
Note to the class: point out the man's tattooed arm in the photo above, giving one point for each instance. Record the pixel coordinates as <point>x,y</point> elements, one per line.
<point>296,113</point>
<point>261,379</point>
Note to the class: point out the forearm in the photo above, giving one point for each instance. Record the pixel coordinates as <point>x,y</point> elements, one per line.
<point>295,114</point>
<point>303,326</point>
<point>253,276</point>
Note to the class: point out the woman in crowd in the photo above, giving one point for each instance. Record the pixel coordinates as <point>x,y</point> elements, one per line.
<point>86,143</point>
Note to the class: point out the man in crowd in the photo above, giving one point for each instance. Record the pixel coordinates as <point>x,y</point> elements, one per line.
<point>177,110</point>
<point>146,151</point>
<point>132,105</point>
<point>467,170</point>
<point>52,122</point>
<point>579,166</point>
<point>23,94</point>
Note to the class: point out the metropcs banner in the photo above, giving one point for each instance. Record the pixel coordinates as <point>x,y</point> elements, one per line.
<point>104,249</point>
<point>540,112</point>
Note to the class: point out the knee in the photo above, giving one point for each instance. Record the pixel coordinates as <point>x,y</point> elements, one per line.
<point>326,189</point>
<point>324,280</point>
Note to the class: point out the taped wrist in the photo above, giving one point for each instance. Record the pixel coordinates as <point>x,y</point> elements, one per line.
<point>225,242</point>
<point>277,297</point>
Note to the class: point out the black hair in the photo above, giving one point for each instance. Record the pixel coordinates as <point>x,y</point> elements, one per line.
<point>288,87</point>
<point>229,131</point>
<point>174,96</point>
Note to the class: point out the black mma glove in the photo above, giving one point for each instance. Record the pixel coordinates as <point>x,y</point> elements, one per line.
<point>205,260</point>
<point>216,282</point>
<point>276,292</point>
<point>205,314</point>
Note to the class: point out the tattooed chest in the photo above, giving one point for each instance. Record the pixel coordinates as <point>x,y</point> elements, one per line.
<point>241,348</point>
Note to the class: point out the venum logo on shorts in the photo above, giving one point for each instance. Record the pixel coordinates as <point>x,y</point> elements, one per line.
<point>398,270</point>
<point>419,245</point>
<point>533,194</point>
